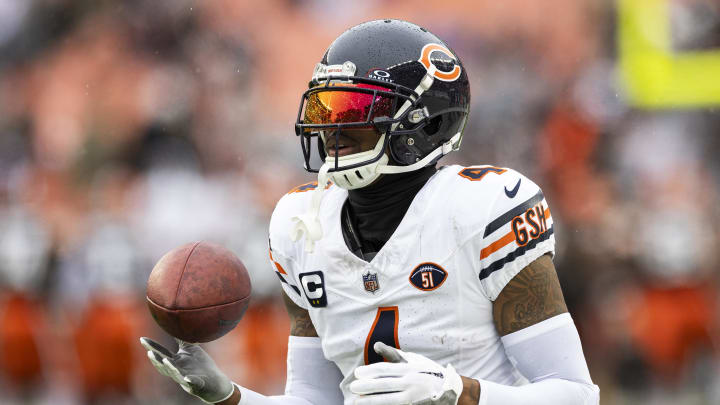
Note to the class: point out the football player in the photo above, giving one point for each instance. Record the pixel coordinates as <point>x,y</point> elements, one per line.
<point>406,283</point>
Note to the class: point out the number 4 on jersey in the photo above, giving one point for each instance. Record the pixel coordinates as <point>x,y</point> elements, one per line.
<point>384,329</point>
<point>477,173</point>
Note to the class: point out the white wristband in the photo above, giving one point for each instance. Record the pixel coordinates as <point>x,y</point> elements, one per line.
<point>311,378</point>
<point>550,355</point>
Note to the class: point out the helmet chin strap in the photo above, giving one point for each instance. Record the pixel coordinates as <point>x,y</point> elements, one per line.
<point>309,223</point>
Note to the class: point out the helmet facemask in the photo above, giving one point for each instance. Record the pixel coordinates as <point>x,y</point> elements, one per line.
<point>346,175</point>
<point>411,137</point>
<point>334,104</point>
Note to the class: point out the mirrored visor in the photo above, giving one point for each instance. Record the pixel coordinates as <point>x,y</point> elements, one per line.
<point>340,103</point>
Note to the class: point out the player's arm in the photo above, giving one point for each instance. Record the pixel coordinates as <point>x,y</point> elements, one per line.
<point>300,325</point>
<point>541,339</point>
<point>311,378</point>
<point>300,322</point>
<point>531,297</point>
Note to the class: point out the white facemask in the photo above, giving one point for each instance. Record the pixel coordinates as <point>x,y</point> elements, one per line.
<point>350,179</point>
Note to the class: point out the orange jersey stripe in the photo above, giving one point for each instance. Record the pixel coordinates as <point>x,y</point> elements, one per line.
<point>502,242</point>
<point>279,267</point>
<point>304,187</point>
<point>497,245</point>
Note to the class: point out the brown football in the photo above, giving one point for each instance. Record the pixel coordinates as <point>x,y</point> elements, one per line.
<point>198,292</point>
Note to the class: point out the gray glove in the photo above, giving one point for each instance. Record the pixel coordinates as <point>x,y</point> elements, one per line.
<point>192,368</point>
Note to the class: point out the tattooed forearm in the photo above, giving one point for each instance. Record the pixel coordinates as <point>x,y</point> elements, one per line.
<point>532,296</point>
<point>300,323</point>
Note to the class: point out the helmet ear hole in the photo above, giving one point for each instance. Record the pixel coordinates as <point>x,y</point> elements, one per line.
<point>433,126</point>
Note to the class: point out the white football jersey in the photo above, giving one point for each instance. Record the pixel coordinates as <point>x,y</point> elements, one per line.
<point>429,290</point>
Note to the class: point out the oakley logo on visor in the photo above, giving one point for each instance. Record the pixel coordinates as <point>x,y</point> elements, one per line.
<point>443,59</point>
<point>379,74</point>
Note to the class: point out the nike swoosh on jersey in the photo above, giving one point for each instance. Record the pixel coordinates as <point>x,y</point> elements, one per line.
<point>503,219</point>
<point>513,192</point>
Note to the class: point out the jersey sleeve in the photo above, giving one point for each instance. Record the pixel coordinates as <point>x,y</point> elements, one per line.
<point>287,281</point>
<point>518,230</point>
<point>282,250</point>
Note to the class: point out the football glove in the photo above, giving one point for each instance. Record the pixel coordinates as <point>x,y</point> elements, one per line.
<point>408,378</point>
<point>192,368</point>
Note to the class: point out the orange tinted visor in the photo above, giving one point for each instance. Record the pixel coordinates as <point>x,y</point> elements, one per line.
<point>338,106</point>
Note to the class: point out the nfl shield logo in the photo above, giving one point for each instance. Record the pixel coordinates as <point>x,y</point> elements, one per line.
<point>371,282</point>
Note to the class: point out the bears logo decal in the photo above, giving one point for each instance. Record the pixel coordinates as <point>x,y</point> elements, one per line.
<point>444,55</point>
<point>427,276</point>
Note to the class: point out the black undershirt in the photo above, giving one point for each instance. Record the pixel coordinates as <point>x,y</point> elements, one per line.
<point>371,214</point>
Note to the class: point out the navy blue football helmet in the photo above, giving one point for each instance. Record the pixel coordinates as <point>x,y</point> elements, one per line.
<point>397,78</point>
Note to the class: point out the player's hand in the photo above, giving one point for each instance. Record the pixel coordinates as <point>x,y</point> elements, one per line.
<point>409,378</point>
<point>192,368</point>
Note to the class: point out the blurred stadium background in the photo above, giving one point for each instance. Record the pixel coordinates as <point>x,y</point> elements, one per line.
<point>130,127</point>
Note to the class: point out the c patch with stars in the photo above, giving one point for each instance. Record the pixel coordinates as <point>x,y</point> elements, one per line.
<point>313,285</point>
